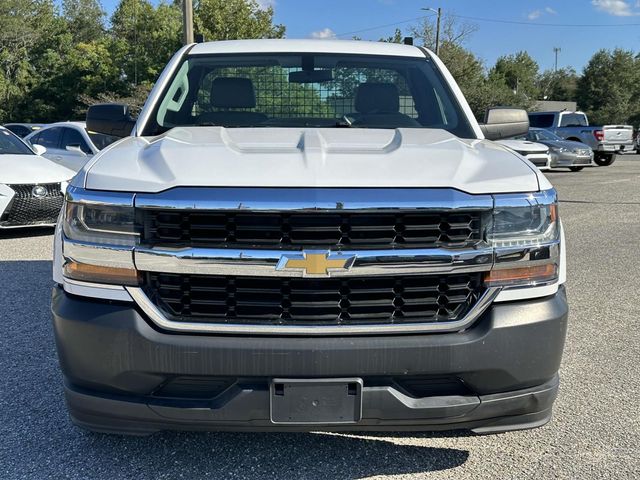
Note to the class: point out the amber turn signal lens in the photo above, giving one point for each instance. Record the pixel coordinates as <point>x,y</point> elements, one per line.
<point>98,274</point>
<point>522,275</point>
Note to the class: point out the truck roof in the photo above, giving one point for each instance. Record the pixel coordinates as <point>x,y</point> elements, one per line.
<point>553,112</point>
<point>359,47</point>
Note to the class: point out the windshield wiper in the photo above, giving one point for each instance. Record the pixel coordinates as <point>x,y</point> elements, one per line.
<point>344,122</point>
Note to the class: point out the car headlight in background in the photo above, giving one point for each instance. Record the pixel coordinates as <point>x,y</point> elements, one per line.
<point>99,236</point>
<point>560,150</point>
<point>525,233</point>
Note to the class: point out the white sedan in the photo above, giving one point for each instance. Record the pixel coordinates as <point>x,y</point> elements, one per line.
<point>535,152</point>
<point>70,143</point>
<point>31,187</point>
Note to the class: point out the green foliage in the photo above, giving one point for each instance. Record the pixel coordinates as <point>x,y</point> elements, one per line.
<point>609,89</point>
<point>516,73</point>
<point>234,19</point>
<point>85,19</point>
<point>54,62</point>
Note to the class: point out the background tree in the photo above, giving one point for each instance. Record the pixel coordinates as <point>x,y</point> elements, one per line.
<point>452,32</point>
<point>518,72</point>
<point>558,85</point>
<point>609,89</point>
<point>85,19</point>
<point>234,19</point>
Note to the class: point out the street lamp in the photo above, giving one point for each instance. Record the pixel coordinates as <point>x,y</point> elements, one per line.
<point>439,13</point>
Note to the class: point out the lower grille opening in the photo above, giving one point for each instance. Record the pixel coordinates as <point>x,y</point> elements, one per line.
<point>208,388</point>
<point>428,386</point>
<point>300,301</point>
<point>194,387</point>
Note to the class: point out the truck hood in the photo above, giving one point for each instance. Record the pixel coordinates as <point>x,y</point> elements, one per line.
<point>17,169</point>
<point>308,157</point>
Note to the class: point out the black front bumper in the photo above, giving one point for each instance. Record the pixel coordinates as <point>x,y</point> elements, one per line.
<point>117,368</point>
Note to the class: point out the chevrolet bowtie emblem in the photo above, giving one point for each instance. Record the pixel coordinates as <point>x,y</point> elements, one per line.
<point>315,263</point>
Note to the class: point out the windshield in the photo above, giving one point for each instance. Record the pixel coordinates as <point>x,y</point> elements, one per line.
<point>538,135</point>
<point>308,90</point>
<point>12,145</point>
<point>100,140</point>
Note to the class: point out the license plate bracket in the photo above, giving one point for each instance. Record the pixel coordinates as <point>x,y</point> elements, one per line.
<point>316,401</point>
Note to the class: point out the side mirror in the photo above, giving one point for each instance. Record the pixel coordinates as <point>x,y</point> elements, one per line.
<point>110,119</point>
<point>39,149</point>
<point>504,122</point>
<point>75,149</point>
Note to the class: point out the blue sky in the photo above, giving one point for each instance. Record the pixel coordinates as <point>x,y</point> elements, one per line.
<point>326,18</point>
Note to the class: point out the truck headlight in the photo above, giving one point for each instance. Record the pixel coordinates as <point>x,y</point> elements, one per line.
<point>523,226</point>
<point>99,233</point>
<point>525,233</point>
<point>107,224</point>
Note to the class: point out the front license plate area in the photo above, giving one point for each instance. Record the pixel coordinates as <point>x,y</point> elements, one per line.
<point>316,401</point>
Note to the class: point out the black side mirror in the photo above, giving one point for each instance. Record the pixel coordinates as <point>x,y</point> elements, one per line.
<point>504,122</point>
<point>110,119</point>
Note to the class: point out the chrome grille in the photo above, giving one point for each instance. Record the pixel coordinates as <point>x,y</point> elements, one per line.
<point>27,209</point>
<point>330,301</point>
<point>334,229</point>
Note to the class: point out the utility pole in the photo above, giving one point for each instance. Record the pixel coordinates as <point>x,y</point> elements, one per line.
<point>187,21</point>
<point>556,50</point>
<point>439,13</point>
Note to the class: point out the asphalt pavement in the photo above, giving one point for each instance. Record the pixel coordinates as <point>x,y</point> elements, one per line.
<point>595,432</point>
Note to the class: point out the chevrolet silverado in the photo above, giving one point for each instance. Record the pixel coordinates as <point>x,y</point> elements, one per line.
<point>308,235</point>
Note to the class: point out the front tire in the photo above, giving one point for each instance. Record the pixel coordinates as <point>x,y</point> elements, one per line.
<point>604,160</point>
<point>575,169</point>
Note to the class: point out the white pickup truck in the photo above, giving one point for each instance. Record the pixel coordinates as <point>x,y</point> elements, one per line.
<point>605,141</point>
<point>308,235</point>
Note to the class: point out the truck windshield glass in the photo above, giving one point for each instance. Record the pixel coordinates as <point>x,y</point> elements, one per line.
<point>11,145</point>
<point>537,135</point>
<point>308,90</point>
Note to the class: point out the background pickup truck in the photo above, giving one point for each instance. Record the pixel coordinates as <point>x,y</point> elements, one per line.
<point>605,140</point>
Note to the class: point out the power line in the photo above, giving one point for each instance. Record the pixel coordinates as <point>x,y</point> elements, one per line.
<point>537,24</point>
<point>377,27</point>
<point>497,20</point>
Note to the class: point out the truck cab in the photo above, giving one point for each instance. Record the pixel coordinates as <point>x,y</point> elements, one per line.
<point>606,141</point>
<point>309,235</point>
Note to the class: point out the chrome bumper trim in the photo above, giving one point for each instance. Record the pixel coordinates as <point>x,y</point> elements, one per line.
<point>96,290</point>
<point>264,263</point>
<point>156,316</point>
<point>98,254</point>
<point>313,199</point>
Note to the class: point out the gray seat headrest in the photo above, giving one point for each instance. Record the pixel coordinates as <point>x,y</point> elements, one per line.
<point>377,98</point>
<point>232,92</point>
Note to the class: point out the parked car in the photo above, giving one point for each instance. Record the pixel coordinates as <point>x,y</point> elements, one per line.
<point>23,129</point>
<point>638,142</point>
<point>536,153</point>
<point>246,263</point>
<point>564,153</point>
<point>70,143</point>
<point>605,141</point>
<point>31,187</point>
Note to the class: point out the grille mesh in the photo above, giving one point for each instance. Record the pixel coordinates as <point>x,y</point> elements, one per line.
<point>26,209</point>
<point>267,300</point>
<point>318,229</point>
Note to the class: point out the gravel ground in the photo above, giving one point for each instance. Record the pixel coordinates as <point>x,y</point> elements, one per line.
<point>595,432</point>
